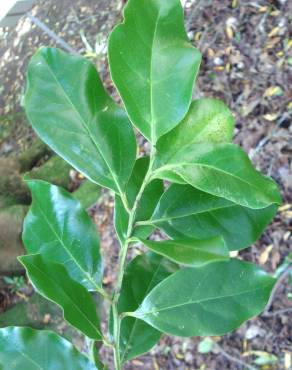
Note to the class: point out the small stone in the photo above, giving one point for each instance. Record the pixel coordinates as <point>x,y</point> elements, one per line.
<point>254,331</point>
<point>189,358</point>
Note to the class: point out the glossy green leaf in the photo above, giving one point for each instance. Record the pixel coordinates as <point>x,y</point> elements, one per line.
<point>52,281</point>
<point>207,121</point>
<point>223,170</point>
<point>151,194</point>
<point>153,65</point>
<point>147,204</point>
<point>29,349</point>
<point>121,219</point>
<point>210,300</point>
<point>184,211</point>
<point>61,231</point>
<point>142,274</point>
<point>71,112</point>
<point>190,252</point>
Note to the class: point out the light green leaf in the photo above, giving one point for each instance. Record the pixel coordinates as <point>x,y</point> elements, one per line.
<point>264,358</point>
<point>190,252</point>
<point>153,65</point>
<point>61,231</point>
<point>207,121</point>
<point>206,345</point>
<point>184,211</point>
<point>210,300</point>
<point>29,349</point>
<point>71,112</point>
<point>52,281</point>
<point>142,274</point>
<point>223,170</point>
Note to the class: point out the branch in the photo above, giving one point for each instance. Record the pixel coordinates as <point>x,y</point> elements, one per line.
<point>274,291</point>
<point>233,359</point>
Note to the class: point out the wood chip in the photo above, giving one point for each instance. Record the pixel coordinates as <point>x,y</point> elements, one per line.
<point>264,256</point>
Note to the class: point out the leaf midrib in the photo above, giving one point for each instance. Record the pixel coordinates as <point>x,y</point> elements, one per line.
<point>166,219</point>
<point>27,357</point>
<point>199,301</point>
<point>185,246</point>
<point>86,275</point>
<point>84,123</point>
<point>173,167</point>
<point>69,298</point>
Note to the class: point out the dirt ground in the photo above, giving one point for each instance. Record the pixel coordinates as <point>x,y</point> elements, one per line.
<point>247,62</point>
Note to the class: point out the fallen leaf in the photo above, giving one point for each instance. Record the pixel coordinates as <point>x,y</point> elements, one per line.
<point>274,32</point>
<point>229,32</point>
<point>270,116</point>
<point>263,258</point>
<point>285,207</point>
<point>263,9</point>
<point>273,91</point>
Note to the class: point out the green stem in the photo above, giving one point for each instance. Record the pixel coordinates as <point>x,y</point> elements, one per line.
<point>122,264</point>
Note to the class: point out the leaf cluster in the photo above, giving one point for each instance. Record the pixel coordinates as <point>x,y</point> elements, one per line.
<point>195,187</point>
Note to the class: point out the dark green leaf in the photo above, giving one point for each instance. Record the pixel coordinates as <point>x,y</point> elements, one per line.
<point>53,282</point>
<point>208,121</point>
<point>184,211</point>
<point>121,219</point>
<point>210,300</point>
<point>153,65</point>
<point>151,194</point>
<point>70,110</point>
<point>58,228</point>
<point>223,170</point>
<point>190,252</point>
<point>147,204</point>
<point>29,349</point>
<point>142,274</point>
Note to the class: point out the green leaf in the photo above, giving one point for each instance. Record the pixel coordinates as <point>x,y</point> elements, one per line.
<point>71,112</point>
<point>151,194</point>
<point>184,211</point>
<point>121,219</point>
<point>60,230</point>
<point>153,65</point>
<point>29,349</point>
<point>207,121</point>
<point>190,252</point>
<point>52,281</point>
<point>223,170</point>
<point>142,274</point>
<point>264,358</point>
<point>206,345</point>
<point>210,300</point>
<point>147,204</point>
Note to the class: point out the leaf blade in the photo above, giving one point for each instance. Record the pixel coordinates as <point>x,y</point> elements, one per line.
<point>190,252</point>
<point>151,44</point>
<point>55,226</point>
<point>184,211</point>
<point>219,298</point>
<point>79,122</point>
<point>52,281</point>
<point>207,121</point>
<point>141,275</point>
<point>26,348</point>
<point>223,170</point>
